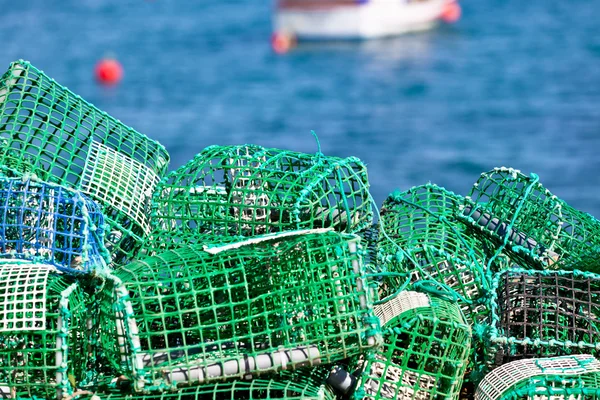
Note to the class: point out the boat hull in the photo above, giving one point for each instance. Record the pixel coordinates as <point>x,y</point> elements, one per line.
<point>359,20</point>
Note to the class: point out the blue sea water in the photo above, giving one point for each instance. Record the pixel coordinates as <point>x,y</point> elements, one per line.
<point>513,83</point>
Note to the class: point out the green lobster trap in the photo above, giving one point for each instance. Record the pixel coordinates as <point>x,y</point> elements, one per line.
<point>422,239</point>
<point>47,335</point>
<point>47,223</point>
<point>199,314</point>
<point>248,190</point>
<point>529,225</point>
<point>424,354</point>
<point>306,384</point>
<point>47,130</point>
<point>558,378</point>
<point>544,313</point>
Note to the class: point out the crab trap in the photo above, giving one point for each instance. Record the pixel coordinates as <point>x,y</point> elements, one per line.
<point>198,314</point>
<point>48,131</point>
<point>47,334</point>
<point>558,378</point>
<point>248,190</point>
<point>544,313</point>
<point>421,239</point>
<point>424,354</point>
<point>48,223</point>
<point>306,384</point>
<point>529,225</point>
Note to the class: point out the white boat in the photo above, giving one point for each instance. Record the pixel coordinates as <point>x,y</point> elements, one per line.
<point>358,19</point>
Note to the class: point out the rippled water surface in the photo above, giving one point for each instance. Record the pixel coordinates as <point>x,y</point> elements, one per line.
<point>513,83</point>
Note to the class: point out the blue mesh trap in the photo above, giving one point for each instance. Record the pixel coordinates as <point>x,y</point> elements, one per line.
<point>47,223</point>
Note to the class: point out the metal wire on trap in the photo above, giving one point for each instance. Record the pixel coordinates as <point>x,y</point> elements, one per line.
<point>47,130</point>
<point>46,333</point>
<point>422,238</point>
<point>424,354</point>
<point>306,384</point>
<point>249,190</point>
<point>47,223</point>
<point>194,315</point>
<point>567,377</point>
<point>531,225</point>
<point>544,313</point>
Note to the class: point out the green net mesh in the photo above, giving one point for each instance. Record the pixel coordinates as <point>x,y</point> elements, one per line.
<point>306,384</point>
<point>422,239</point>
<point>249,190</point>
<point>544,313</point>
<point>193,315</point>
<point>47,223</point>
<point>47,130</point>
<point>46,335</point>
<point>425,351</point>
<point>568,377</point>
<point>531,225</point>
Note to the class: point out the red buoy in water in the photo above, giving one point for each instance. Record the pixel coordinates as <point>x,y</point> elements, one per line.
<point>452,12</point>
<point>282,42</point>
<point>109,71</point>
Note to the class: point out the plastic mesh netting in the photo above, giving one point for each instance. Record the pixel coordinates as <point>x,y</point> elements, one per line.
<point>45,340</point>
<point>423,239</point>
<point>424,354</point>
<point>249,190</point>
<point>296,385</point>
<point>49,131</point>
<point>47,223</point>
<point>530,224</point>
<point>257,273</point>
<point>193,315</point>
<point>544,313</point>
<point>568,377</point>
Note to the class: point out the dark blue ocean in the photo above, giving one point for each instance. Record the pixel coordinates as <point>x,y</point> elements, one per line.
<point>513,83</point>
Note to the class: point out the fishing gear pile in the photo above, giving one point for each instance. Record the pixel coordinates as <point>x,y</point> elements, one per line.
<point>256,273</point>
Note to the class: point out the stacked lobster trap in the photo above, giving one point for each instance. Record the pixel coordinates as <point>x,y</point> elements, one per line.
<point>257,273</point>
<point>254,307</point>
<point>247,190</point>
<point>51,133</point>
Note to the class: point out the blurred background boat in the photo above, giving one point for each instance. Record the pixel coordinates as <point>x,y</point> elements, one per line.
<point>358,19</point>
<point>441,105</point>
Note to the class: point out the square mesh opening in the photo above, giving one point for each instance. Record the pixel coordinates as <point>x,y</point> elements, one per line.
<point>119,181</point>
<point>23,296</point>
